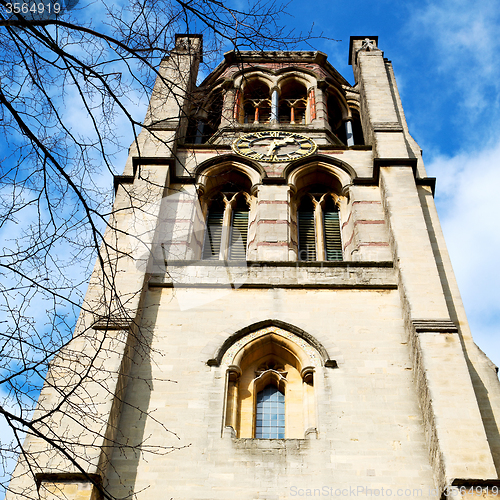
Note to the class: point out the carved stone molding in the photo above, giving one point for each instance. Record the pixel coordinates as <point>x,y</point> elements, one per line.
<point>434,326</point>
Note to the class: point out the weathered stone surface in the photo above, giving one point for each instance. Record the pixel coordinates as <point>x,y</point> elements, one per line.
<point>376,355</point>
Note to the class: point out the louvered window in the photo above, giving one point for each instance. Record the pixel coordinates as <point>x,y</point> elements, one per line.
<point>307,236</point>
<point>239,234</point>
<point>227,206</point>
<point>331,225</point>
<point>307,231</point>
<point>213,235</point>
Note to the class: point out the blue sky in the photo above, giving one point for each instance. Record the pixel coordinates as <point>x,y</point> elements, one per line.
<point>444,54</point>
<point>445,57</point>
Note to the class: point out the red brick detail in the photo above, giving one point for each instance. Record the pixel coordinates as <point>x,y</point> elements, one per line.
<point>272,222</point>
<point>349,241</point>
<point>273,202</point>
<point>269,244</point>
<point>364,221</point>
<point>237,105</point>
<point>312,104</point>
<point>347,221</point>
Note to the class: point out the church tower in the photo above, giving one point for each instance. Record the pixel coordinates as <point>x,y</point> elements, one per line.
<point>276,315</point>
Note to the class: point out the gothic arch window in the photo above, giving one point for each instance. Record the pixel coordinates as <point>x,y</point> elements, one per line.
<point>335,117</point>
<point>292,105</point>
<point>357,129</point>
<point>226,205</point>
<point>318,226</point>
<point>256,102</point>
<point>270,387</point>
<point>205,119</point>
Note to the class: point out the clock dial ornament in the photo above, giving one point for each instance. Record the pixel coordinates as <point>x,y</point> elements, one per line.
<point>274,146</point>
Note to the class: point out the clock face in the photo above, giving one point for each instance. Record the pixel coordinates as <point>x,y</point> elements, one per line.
<point>274,146</point>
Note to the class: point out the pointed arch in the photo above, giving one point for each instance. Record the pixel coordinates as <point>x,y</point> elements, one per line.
<point>225,186</point>
<point>319,204</point>
<point>318,162</point>
<point>213,167</point>
<point>249,333</point>
<point>266,359</point>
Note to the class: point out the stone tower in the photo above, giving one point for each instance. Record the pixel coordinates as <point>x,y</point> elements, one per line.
<point>283,319</point>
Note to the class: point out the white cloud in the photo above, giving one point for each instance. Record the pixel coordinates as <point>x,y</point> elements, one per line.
<point>469,205</point>
<point>461,28</point>
<point>464,43</point>
<point>456,41</point>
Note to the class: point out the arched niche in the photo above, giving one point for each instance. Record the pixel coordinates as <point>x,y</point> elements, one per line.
<point>228,207</point>
<point>298,74</point>
<point>270,356</point>
<point>248,76</point>
<point>318,207</point>
<point>293,102</point>
<point>205,118</point>
<point>255,106</point>
<point>335,174</point>
<point>221,170</point>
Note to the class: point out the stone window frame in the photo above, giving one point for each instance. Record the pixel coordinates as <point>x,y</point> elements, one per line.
<point>274,81</point>
<point>211,182</point>
<point>245,378</point>
<point>321,238</point>
<point>336,181</point>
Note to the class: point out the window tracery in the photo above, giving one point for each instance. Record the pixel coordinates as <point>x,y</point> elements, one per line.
<point>318,227</point>
<point>292,105</point>
<point>288,102</point>
<point>256,103</point>
<point>270,388</point>
<point>226,233</point>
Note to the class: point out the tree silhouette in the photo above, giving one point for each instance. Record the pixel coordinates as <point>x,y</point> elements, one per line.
<point>74,81</point>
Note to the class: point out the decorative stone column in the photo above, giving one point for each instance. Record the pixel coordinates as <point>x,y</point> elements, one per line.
<point>274,105</point>
<point>348,133</point>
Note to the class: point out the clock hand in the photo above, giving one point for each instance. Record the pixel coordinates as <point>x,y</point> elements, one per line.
<point>272,147</point>
<point>277,143</point>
